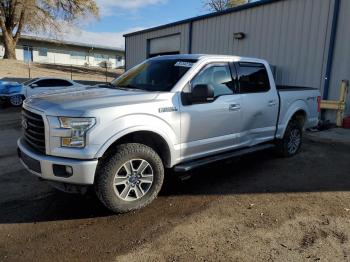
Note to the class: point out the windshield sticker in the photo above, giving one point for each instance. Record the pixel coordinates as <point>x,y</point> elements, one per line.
<point>184,64</point>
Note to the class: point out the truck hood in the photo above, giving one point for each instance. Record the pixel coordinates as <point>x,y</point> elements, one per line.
<point>78,103</point>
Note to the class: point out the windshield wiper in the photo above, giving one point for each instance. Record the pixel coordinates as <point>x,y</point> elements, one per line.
<point>125,87</point>
<point>111,86</point>
<point>131,87</point>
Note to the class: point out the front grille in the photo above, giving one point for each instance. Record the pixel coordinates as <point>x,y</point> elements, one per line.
<point>34,130</point>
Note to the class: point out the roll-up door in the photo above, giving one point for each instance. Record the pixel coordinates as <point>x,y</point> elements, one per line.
<point>167,45</point>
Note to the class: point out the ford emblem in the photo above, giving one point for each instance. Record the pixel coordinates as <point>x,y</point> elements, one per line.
<point>24,124</point>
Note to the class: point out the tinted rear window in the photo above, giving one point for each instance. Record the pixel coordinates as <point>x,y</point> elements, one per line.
<point>253,78</point>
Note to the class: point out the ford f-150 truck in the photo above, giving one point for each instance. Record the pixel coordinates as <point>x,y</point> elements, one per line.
<point>179,112</point>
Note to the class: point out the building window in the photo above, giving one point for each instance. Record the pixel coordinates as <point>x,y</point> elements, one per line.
<point>119,58</point>
<point>78,55</point>
<point>100,58</point>
<point>42,51</point>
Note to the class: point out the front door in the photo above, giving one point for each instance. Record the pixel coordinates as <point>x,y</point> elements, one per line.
<point>28,54</point>
<point>211,127</point>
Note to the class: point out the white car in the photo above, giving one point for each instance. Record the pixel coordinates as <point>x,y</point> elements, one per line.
<point>15,94</point>
<point>48,84</point>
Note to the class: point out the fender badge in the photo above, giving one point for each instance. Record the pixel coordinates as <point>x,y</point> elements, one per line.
<point>167,109</point>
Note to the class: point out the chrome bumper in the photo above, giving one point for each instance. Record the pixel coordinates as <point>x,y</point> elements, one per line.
<point>43,166</point>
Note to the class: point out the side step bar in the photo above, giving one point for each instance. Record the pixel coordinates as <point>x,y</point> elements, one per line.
<point>185,167</point>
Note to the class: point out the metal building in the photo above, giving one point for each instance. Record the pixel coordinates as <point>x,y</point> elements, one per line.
<point>306,40</point>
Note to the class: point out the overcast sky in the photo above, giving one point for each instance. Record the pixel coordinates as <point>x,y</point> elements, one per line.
<point>118,17</point>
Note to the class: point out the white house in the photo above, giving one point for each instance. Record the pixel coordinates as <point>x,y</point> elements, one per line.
<point>43,50</point>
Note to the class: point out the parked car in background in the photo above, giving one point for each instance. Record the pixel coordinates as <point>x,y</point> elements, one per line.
<point>180,112</point>
<point>15,93</point>
<point>11,92</point>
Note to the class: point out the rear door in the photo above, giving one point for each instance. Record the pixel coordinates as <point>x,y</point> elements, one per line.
<point>260,103</point>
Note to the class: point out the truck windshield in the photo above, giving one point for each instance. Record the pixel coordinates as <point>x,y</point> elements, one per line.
<point>155,75</point>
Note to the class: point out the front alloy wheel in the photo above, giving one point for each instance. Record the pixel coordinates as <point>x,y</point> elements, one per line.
<point>130,178</point>
<point>133,180</point>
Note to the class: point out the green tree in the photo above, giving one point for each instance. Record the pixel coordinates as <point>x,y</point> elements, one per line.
<point>17,16</point>
<point>220,5</point>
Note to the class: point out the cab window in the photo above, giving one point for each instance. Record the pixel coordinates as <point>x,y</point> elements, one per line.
<point>218,76</point>
<point>252,78</point>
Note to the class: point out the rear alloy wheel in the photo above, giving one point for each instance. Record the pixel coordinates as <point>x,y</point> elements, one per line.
<point>129,179</point>
<point>16,100</point>
<point>291,142</point>
<point>294,141</point>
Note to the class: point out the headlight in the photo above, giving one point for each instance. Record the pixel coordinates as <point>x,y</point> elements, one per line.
<point>78,127</point>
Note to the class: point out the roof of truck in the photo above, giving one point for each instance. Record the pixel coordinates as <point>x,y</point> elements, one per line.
<point>205,56</point>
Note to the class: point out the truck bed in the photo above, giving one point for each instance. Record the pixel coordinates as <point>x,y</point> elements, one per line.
<point>293,99</point>
<point>282,88</point>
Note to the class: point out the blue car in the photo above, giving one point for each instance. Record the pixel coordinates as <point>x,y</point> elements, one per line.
<point>12,92</point>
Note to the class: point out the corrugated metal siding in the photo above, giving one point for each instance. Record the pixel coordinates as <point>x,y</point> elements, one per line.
<point>289,34</point>
<point>341,62</point>
<point>293,35</point>
<point>136,45</point>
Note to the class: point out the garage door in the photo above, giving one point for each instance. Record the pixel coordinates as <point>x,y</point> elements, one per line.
<point>164,45</point>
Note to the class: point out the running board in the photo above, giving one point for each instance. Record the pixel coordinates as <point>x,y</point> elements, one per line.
<point>211,159</point>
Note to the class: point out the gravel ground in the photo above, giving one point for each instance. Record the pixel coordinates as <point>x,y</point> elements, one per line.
<point>256,208</point>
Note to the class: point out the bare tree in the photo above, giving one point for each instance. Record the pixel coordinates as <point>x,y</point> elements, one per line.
<point>17,16</point>
<point>220,5</point>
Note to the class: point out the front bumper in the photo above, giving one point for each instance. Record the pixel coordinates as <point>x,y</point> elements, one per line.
<point>43,166</point>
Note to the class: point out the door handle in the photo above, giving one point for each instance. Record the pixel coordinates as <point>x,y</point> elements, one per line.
<point>234,107</point>
<point>272,103</point>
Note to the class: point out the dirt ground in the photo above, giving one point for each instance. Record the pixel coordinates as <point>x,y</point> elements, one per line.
<point>18,69</point>
<point>256,208</point>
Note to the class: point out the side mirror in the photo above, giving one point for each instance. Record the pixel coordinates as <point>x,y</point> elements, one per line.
<point>202,94</point>
<point>34,85</point>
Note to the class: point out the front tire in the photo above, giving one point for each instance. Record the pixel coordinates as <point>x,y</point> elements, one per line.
<point>129,179</point>
<point>291,142</point>
<point>16,100</point>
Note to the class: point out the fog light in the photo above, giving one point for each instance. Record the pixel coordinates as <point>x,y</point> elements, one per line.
<point>69,170</point>
<point>62,171</point>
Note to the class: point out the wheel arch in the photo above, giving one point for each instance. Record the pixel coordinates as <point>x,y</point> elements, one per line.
<point>300,116</point>
<point>156,141</point>
<point>299,111</point>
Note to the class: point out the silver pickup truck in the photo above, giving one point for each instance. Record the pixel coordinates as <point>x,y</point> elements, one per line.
<point>179,112</point>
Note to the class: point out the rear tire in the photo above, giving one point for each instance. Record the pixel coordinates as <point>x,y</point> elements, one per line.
<point>129,179</point>
<point>291,142</point>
